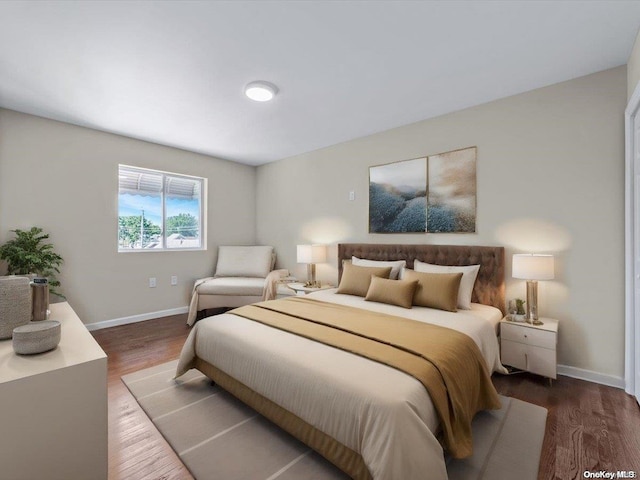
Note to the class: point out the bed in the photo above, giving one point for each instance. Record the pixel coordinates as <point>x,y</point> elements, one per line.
<point>369,419</point>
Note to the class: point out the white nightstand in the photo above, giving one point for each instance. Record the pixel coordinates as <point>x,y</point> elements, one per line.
<point>530,347</point>
<point>300,289</point>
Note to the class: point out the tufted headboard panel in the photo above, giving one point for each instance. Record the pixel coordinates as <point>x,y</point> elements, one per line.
<point>489,288</point>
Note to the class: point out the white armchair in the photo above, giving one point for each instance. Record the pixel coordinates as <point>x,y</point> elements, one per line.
<point>243,275</point>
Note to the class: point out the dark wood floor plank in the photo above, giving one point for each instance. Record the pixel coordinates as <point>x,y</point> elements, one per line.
<point>589,426</point>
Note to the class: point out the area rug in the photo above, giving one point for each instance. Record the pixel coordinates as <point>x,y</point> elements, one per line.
<point>218,437</point>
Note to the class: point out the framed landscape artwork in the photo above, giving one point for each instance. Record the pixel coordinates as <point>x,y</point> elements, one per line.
<point>398,197</point>
<point>433,194</point>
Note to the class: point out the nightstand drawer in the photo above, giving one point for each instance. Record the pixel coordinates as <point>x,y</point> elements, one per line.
<point>528,336</point>
<point>526,357</point>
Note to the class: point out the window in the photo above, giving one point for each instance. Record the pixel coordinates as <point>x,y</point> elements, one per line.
<point>159,210</point>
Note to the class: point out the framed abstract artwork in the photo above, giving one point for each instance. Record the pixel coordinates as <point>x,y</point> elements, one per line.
<point>433,194</point>
<point>398,197</point>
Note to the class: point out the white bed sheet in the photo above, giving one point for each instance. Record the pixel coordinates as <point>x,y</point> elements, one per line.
<point>382,413</point>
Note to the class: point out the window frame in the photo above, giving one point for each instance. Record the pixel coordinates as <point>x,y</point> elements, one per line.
<point>202,220</point>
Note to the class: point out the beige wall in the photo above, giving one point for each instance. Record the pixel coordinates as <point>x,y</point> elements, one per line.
<point>633,68</point>
<point>550,176</point>
<point>550,179</point>
<point>63,178</point>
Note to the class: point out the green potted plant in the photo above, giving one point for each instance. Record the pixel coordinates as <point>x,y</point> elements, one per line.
<point>28,254</point>
<point>520,312</point>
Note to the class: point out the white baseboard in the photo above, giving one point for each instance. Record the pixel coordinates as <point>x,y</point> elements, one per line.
<point>136,318</point>
<point>590,376</point>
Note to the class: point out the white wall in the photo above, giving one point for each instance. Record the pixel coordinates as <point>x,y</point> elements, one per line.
<point>633,68</point>
<point>550,176</point>
<point>64,179</point>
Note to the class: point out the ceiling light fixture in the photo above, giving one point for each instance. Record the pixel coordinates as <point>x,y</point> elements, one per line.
<point>260,91</point>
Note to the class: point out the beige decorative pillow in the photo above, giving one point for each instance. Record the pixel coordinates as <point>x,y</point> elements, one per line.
<point>393,292</point>
<point>435,290</point>
<point>469,274</point>
<point>355,280</point>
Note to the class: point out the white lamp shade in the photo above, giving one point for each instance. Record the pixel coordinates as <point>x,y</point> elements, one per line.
<point>532,267</point>
<point>312,253</point>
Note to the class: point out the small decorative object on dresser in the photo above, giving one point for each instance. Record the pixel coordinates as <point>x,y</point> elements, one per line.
<point>36,337</point>
<point>15,304</point>
<point>40,298</point>
<point>531,348</point>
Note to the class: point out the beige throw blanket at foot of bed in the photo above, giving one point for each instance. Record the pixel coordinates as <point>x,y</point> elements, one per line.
<point>448,363</point>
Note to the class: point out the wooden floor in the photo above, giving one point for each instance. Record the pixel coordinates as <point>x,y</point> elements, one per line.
<point>590,427</point>
<point>136,449</point>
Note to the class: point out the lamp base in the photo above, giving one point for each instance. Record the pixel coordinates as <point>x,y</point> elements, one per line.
<point>532,303</point>
<point>311,276</point>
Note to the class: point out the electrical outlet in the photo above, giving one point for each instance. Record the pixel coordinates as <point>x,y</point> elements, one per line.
<point>174,280</point>
<point>152,282</point>
<point>352,196</point>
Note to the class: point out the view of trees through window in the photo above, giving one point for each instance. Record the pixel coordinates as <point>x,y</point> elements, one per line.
<point>158,210</point>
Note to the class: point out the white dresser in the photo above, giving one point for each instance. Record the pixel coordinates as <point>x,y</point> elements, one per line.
<point>530,347</point>
<point>53,407</point>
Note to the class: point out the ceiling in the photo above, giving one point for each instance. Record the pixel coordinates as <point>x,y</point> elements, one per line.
<point>173,72</point>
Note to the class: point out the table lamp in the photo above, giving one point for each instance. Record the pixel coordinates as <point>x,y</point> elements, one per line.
<point>312,254</point>
<point>532,267</point>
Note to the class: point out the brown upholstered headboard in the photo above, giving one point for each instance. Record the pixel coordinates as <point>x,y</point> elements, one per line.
<point>489,288</point>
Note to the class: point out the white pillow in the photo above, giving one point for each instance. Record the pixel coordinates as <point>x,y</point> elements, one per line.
<point>469,274</point>
<point>396,266</point>
<point>244,261</point>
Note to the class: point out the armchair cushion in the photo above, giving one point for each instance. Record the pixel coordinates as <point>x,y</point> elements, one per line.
<point>250,261</point>
<point>233,286</point>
